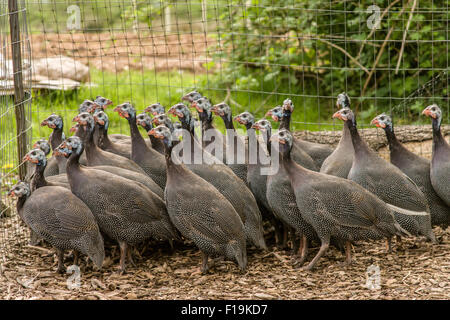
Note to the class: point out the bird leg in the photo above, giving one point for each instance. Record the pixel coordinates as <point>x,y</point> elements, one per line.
<point>303,251</point>
<point>323,249</point>
<point>76,256</point>
<point>123,255</point>
<point>130,257</point>
<point>60,255</point>
<point>348,253</point>
<point>204,267</point>
<point>388,245</point>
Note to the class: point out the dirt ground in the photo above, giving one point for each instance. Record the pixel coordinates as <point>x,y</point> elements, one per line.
<point>122,51</point>
<point>414,270</point>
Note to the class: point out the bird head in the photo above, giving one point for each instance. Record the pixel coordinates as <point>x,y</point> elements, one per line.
<point>43,145</point>
<point>382,121</point>
<point>155,109</point>
<point>19,190</point>
<point>53,121</point>
<point>126,110</point>
<point>276,113</point>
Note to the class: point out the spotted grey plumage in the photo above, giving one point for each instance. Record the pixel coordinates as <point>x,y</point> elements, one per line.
<point>415,167</point>
<point>388,182</point>
<point>440,158</point>
<point>222,178</point>
<point>335,207</point>
<point>56,215</point>
<point>125,210</point>
<point>340,161</point>
<point>200,212</point>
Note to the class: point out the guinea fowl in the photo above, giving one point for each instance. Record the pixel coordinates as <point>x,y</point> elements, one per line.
<point>415,167</point>
<point>340,161</point>
<point>150,160</point>
<point>145,121</point>
<point>318,152</point>
<point>60,218</point>
<point>56,123</point>
<point>37,157</point>
<point>52,165</point>
<point>96,156</point>
<point>298,154</point>
<point>440,158</point>
<point>155,109</point>
<point>257,180</point>
<point>103,141</point>
<point>221,177</point>
<point>200,212</point>
<point>236,147</point>
<point>388,182</point>
<point>333,206</point>
<point>125,210</point>
<point>131,175</point>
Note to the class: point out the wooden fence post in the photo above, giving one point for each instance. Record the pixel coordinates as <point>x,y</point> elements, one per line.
<point>19,95</point>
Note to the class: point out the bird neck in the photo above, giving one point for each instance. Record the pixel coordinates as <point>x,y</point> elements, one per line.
<point>137,141</point>
<point>73,163</point>
<point>394,145</point>
<point>359,145</point>
<point>228,121</point>
<point>438,138</point>
<point>38,177</point>
<point>285,122</point>
<point>20,203</point>
<point>102,139</point>
<point>56,138</point>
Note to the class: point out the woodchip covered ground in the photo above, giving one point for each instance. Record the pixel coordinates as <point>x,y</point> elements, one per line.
<point>414,270</point>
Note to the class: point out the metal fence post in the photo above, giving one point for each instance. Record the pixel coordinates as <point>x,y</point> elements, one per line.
<point>18,84</point>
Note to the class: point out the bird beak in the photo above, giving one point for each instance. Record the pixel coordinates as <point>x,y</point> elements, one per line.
<point>338,115</point>
<point>76,119</point>
<point>428,113</point>
<point>121,113</point>
<point>11,193</point>
<point>28,158</point>
<point>269,113</point>
<point>73,128</point>
<point>175,113</point>
<point>155,121</point>
<point>238,119</point>
<point>215,110</point>
<point>44,123</point>
<point>196,106</point>
<point>186,98</point>
<point>256,126</point>
<point>275,138</point>
<point>155,134</point>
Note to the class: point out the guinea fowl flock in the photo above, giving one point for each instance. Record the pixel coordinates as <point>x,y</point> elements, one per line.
<point>129,189</point>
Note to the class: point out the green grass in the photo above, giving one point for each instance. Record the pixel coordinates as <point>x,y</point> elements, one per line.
<point>144,88</point>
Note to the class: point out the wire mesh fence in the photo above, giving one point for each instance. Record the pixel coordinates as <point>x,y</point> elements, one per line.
<point>390,56</point>
<point>15,115</point>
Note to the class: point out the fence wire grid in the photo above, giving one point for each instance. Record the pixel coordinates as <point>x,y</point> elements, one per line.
<point>390,56</point>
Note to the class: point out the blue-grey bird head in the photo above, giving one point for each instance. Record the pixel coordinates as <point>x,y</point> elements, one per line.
<point>102,102</point>
<point>382,121</point>
<point>162,119</point>
<point>283,140</point>
<point>276,113</point>
<point>245,118</point>
<point>163,133</point>
<point>182,112</point>
<point>85,120</point>
<point>343,100</point>
<point>88,106</point>
<point>345,114</point>
<point>127,111</point>
<point>101,118</point>
<point>192,96</point>
<point>43,145</point>
<point>288,105</point>
<point>144,120</point>
<point>53,121</point>
<point>203,107</point>
<point>434,112</point>
<point>155,109</point>
<point>20,190</point>
<point>223,110</point>
<point>69,146</point>
<point>36,156</point>
<point>263,125</point>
